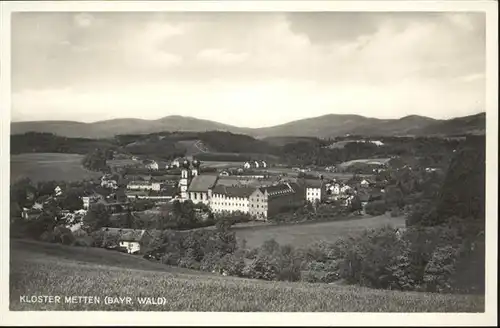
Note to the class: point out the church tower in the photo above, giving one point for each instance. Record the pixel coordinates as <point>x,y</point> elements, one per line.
<point>185,179</point>
<point>196,168</point>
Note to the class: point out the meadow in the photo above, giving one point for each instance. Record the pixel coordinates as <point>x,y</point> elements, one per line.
<point>378,161</point>
<point>49,166</point>
<point>304,234</point>
<point>57,270</point>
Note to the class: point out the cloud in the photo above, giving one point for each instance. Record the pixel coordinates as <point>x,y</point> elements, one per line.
<point>221,57</point>
<point>260,63</point>
<point>83,20</point>
<point>472,77</point>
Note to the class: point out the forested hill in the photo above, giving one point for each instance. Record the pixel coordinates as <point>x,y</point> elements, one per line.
<point>167,145</point>
<point>35,142</point>
<point>463,192</point>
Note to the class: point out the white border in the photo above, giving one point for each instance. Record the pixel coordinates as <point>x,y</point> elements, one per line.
<point>220,319</point>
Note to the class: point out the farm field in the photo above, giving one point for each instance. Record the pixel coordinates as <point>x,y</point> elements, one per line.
<point>378,161</point>
<point>49,166</point>
<point>222,165</point>
<point>57,270</point>
<point>326,175</point>
<point>301,235</point>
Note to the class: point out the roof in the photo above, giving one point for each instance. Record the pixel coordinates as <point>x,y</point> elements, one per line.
<point>276,190</point>
<point>165,192</point>
<point>313,183</point>
<point>148,215</point>
<point>140,183</point>
<point>124,234</point>
<point>228,191</point>
<point>169,177</point>
<point>44,198</point>
<point>201,183</point>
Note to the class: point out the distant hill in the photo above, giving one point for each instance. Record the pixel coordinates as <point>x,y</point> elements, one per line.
<point>332,125</point>
<point>473,124</point>
<point>110,128</point>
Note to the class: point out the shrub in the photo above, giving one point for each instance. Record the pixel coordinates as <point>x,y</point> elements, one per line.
<point>395,212</point>
<point>377,207</point>
<point>323,272</point>
<point>211,262</point>
<point>232,264</point>
<point>263,267</point>
<point>63,235</point>
<point>440,268</point>
<point>367,258</point>
<point>171,259</point>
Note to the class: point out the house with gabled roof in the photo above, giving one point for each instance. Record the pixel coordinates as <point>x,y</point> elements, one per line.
<point>131,239</point>
<point>315,190</point>
<point>201,187</point>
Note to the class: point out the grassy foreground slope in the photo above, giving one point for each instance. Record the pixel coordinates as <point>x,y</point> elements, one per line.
<point>46,269</point>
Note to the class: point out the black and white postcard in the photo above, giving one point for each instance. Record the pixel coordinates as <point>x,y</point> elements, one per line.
<point>249,162</point>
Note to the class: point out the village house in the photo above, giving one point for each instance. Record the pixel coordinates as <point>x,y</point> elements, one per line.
<point>334,188</point>
<point>108,182</point>
<point>315,190</point>
<point>58,191</point>
<point>112,206</point>
<point>366,183</point>
<point>152,166</point>
<point>41,201</point>
<point>250,176</point>
<point>144,185</point>
<point>167,192</point>
<point>255,164</point>
<point>176,163</point>
<point>230,199</point>
<point>30,213</point>
<point>131,239</point>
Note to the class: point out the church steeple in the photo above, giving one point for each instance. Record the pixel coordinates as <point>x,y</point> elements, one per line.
<point>185,179</point>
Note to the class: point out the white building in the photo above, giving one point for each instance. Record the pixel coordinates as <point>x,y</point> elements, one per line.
<point>315,190</point>
<point>230,199</point>
<point>345,188</point>
<point>112,184</point>
<point>335,188</point>
<point>131,239</point>
<point>58,191</point>
<point>247,165</point>
<point>365,183</point>
<point>144,185</point>
<point>377,142</point>
<point>152,166</point>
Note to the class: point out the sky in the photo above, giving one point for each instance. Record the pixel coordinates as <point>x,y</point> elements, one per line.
<point>249,69</point>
